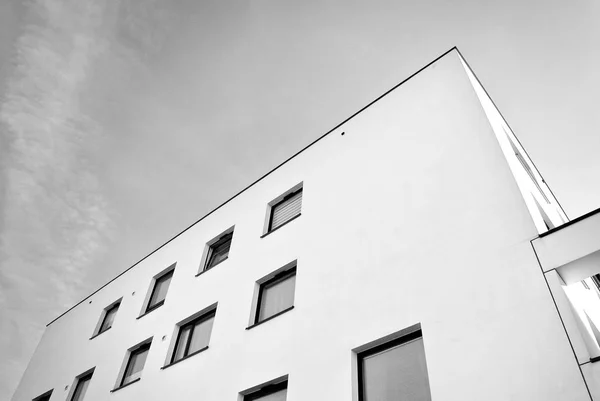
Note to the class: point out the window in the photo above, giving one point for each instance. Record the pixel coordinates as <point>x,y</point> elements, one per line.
<point>159,292</point>
<point>81,387</point>
<point>276,295</point>
<point>218,251</point>
<point>135,364</point>
<point>109,317</point>
<point>44,397</point>
<point>596,280</point>
<point>395,370</point>
<point>272,392</point>
<point>194,336</point>
<point>285,209</point>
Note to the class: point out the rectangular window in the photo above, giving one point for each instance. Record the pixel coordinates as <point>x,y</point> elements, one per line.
<point>109,317</point>
<point>135,364</point>
<point>194,336</point>
<point>272,392</point>
<point>286,209</point>
<point>393,371</point>
<point>81,387</point>
<point>159,292</point>
<point>276,295</point>
<point>43,397</point>
<point>218,251</point>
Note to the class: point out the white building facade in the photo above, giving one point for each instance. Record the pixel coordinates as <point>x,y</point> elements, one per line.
<point>411,253</point>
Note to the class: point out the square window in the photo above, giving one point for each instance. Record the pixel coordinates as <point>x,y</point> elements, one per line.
<point>271,392</point>
<point>159,292</point>
<point>135,363</point>
<point>43,397</point>
<point>276,295</point>
<point>285,209</point>
<point>81,387</point>
<point>395,370</point>
<point>194,336</point>
<point>107,318</point>
<point>218,251</point>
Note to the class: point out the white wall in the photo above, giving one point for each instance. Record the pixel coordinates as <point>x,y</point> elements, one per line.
<point>411,216</point>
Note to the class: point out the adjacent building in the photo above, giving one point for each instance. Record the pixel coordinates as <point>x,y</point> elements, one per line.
<point>413,252</point>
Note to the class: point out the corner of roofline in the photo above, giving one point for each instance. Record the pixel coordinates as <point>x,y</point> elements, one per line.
<point>429,64</point>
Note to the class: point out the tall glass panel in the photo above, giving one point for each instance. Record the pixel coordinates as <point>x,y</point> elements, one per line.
<point>201,334</point>
<point>182,341</point>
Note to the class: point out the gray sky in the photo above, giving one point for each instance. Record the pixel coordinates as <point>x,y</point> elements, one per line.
<point>123,121</point>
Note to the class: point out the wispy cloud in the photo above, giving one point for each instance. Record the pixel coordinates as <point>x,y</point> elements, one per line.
<point>72,59</point>
<point>54,217</point>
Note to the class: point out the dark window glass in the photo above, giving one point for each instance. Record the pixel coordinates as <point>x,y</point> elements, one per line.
<point>219,251</point>
<point>81,387</point>
<point>395,371</point>
<point>159,293</point>
<point>274,392</point>
<point>289,207</point>
<point>44,397</point>
<point>194,336</point>
<point>135,365</point>
<point>596,280</point>
<point>276,295</point>
<point>109,318</point>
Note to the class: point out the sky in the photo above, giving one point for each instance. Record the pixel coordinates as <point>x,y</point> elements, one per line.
<point>122,121</point>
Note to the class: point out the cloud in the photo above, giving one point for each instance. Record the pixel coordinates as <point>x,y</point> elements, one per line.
<point>55,220</point>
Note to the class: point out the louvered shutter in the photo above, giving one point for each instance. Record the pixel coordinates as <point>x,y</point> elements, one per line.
<point>288,208</point>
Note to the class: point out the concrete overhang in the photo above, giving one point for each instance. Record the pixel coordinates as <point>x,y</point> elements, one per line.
<point>574,243</point>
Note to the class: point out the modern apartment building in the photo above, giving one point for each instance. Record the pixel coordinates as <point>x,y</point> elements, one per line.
<point>413,253</point>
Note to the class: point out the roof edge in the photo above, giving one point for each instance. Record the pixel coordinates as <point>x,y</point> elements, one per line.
<point>261,178</point>
<point>570,223</point>
<point>513,132</point>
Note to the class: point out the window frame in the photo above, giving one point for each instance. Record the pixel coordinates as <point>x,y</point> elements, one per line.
<point>208,252</point>
<point>265,390</point>
<point>384,344</point>
<point>226,238</point>
<point>135,350</point>
<point>146,306</point>
<point>150,307</point>
<point>276,279</point>
<point>105,313</point>
<point>87,375</point>
<point>44,397</point>
<point>202,317</point>
<point>275,205</point>
<point>114,307</point>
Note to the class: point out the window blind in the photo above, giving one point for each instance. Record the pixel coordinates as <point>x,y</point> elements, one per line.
<point>288,208</point>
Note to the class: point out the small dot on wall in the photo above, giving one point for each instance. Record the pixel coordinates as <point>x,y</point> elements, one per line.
<point>133,293</point>
<point>66,387</point>
<point>164,338</point>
